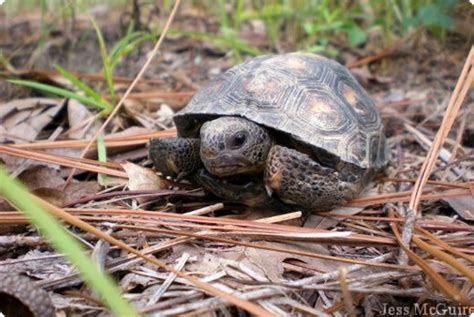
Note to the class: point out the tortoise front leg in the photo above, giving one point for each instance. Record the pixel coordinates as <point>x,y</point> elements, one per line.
<point>175,157</point>
<point>298,179</point>
<point>250,192</point>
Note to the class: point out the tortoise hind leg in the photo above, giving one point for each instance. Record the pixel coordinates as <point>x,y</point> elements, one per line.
<point>175,157</point>
<point>299,180</point>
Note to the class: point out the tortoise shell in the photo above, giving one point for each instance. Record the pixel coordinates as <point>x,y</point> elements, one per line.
<point>314,100</point>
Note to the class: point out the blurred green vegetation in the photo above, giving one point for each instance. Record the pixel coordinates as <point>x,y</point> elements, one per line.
<point>313,25</point>
<point>310,25</point>
<point>18,7</point>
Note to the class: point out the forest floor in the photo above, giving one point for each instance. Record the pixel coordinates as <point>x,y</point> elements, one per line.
<point>345,261</point>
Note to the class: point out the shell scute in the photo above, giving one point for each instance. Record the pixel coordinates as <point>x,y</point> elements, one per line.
<point>312,99</point>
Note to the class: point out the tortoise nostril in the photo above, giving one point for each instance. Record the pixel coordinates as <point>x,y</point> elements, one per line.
<point>221,146</point>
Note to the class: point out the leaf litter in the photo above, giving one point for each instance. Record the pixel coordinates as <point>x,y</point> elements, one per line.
<point>346,261</point>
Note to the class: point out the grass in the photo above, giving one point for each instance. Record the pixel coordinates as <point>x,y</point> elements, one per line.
<point>88,95</point>
<point>309,25</point>
<point>64,242</point>
<point>314,25</point>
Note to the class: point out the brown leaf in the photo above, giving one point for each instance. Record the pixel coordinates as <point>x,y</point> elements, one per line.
<point>41,177</point>
<point>81,122</point>
<point>5,206</point>
<point>463,205</point>
<point>365,76</point>
<point>78,190</point>
<point>132,280</point>
<point>24,119</point>
<point>141,178</point>
<point>51,195</point>
<point>129,132</point>
<point>271,262</point>
<point>323,222</point>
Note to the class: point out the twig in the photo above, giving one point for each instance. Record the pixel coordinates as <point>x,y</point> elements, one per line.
<point>460,91</point>
<point>84,164</point>
<point>205,210</point>
<point>60,213</point>
<point>407,234</point>
<point>313,280</point>
<point>110,141</point>
<point>444,286</point>
<point>267,247</point>
<point>281,218</point>
<point>348,302</point>
<point>171,277</point>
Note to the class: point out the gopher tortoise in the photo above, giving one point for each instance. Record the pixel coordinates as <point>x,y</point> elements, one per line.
<point>280,130</point>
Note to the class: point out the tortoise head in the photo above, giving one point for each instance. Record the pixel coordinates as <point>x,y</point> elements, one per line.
<point>232,145</point>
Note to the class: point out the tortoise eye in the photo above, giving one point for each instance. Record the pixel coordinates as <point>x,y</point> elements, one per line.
<point>238,139</point>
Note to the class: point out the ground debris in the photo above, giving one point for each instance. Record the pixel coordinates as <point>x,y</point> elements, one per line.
<point>347,260</point>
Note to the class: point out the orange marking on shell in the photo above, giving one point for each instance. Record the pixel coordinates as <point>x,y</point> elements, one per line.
<point>294,63</point>
<point>350,95</point>
<point>320,106</point>
<point>263,84</point>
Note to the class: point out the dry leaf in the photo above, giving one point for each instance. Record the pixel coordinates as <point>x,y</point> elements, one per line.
<point>208,262</point>
<point>463,205</point>
<point>42,177</point>
<point>23,119</point>
<point>74,191</point>
<point>81,121</point>
<point>141,178</point>
<point>132,280</point>
<point>51,195</point>
<point>13,163</point>
<point>41,265</point>
<point>365,76</point>
<point>323,222</point>
<point>164,116</point>
<point>271,262</point>
<point>5,206</point>
<point>78,190</point>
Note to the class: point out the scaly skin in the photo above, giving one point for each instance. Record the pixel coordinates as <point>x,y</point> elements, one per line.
<point>19,296</point>
<point>251,193</point>
<point>232,147</point>
<point>175,157</point>
<point>299,180</point>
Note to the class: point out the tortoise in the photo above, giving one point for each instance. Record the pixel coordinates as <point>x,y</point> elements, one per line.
<point>290,130</point>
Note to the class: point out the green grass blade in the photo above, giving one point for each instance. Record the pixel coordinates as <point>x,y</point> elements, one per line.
<point>116,51</point>
<point>64,243</point>
<point>59,92</point>
<point>270,11</point>
<point>223,19</point>
<point>105,61</point>
<point>79,84</point>
<point>237,15</point>
<point>102,155</point>
<point>86,89</point>
<point>126,45</point>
